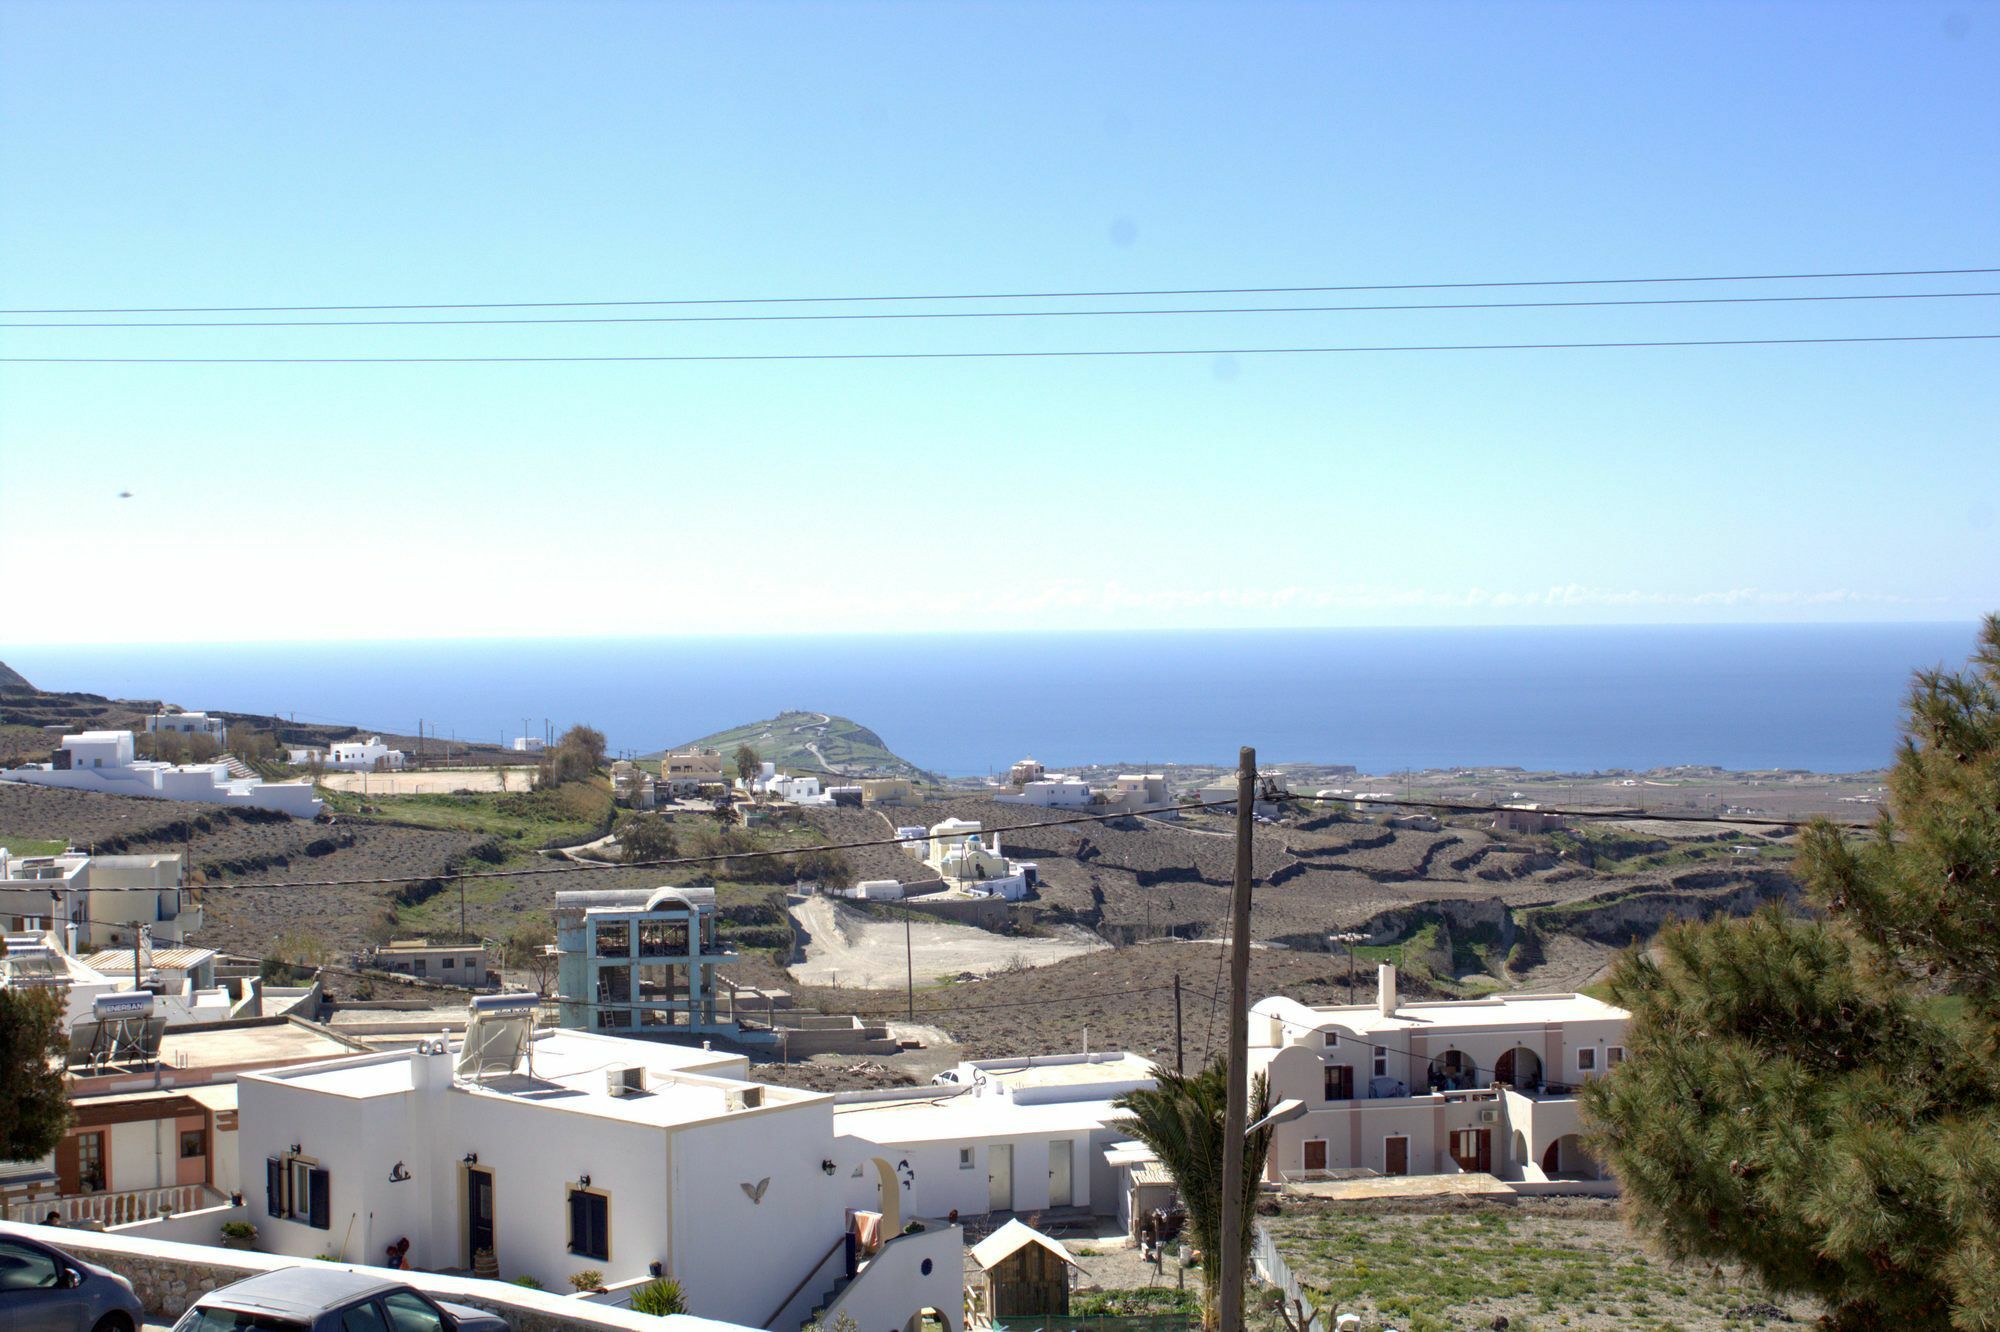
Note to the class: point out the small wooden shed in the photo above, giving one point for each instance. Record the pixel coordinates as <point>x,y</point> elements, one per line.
<point>1026,1274</point>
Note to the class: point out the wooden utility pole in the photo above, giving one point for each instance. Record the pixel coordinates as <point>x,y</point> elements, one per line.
<point>1235,1117</point>
<point>909,969</point>
<point>1179,1062</point>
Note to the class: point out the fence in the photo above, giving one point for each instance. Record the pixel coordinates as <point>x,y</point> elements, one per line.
<point>1103,1323</point>
<point>116,1209</point>
<point>1270,1266</point>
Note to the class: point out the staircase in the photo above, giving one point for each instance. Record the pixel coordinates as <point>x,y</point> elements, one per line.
<point>841,1284</point>
<point>236,767</point>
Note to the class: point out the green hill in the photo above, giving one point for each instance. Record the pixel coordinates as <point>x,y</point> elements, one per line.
<point>813,740</point>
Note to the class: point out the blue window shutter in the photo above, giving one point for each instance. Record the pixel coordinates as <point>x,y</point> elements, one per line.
<point>579,1222</point>
<point>274,1186</point>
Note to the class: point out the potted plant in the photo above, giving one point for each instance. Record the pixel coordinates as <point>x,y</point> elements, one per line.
<point>239,1235</point>
<point>586,1281</point>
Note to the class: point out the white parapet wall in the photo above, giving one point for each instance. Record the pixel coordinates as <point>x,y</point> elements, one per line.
<point>169,1276</point>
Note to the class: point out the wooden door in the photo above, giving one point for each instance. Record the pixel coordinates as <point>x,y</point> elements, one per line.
<point>1315,1154</point>
<point>1472,1149</point>
<point>1396,1156</point>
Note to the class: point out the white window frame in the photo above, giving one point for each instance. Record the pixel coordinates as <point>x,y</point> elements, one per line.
<point>965,1158</point>
<point>1586,1059</point>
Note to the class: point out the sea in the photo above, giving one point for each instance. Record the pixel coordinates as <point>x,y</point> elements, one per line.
<point>1827,698</point>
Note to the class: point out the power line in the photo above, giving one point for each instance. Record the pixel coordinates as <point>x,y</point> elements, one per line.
<point>979,355</point>
<point>1015,314</point>
<point>682,861</point>
<point>1005,295</point>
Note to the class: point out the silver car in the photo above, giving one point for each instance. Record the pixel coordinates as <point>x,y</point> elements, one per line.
<point>328,1299</point>
<point>43,1289</point>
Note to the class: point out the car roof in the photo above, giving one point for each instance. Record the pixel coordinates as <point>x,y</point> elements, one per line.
<point>302,1290</point>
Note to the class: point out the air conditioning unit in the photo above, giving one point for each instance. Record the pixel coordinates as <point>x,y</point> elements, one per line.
<point>1489,1116</point>
<point>625,1080</point>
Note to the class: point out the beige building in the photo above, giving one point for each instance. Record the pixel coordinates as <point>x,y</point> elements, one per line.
<point>1140,793</point>
<point>887,791</point>
<point>1463,1086</point>
<point>453,964</point>
<point>689,770</point>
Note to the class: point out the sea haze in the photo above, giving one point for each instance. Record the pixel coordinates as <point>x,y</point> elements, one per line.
<point>1823,697</point>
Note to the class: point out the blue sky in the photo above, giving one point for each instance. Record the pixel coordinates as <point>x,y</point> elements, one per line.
<point>249,154</point>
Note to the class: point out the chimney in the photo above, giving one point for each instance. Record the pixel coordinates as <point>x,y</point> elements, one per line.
<point>1385,988</point>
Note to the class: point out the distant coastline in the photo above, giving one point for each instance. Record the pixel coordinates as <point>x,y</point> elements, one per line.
<point>1825,698</point>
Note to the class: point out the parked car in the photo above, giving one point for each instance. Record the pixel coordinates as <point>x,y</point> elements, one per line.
<point>328,1299</point>
<point>43,1289</point>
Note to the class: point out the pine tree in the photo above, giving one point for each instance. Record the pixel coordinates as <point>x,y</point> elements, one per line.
<point>1817,1097</point>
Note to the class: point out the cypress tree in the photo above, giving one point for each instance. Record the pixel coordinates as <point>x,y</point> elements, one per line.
<point>1817,1097</point>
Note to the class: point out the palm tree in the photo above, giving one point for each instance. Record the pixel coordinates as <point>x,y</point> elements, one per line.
<point>1181,1119</point>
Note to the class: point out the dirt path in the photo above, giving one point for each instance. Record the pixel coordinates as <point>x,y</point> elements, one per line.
<point>850,947</point>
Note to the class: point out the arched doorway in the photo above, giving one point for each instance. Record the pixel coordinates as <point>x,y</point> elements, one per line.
<point>1566,1159</point>
<point>1520,1068</point>
<point>1453,1071</point>
<point>888,1197</point>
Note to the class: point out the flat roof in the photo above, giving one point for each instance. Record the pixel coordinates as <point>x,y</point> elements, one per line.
<point>1496,1012</point>
<point>687,1085</point>
<point>247,1044</point>
<point>1065,1071</point>
<point>967,1117</point>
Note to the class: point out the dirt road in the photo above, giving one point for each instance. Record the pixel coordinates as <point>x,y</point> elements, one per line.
<point>850,947</point>
<point>443,781</point>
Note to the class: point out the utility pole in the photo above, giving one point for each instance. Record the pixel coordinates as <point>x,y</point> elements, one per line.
<point>909,969</point>
<point>1179,1064</point>
<point>461,907</point>
<point>1235,1116</point>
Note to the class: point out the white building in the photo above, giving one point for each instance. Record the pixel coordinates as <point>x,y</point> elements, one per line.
<point>527,744</point>
<point>996,1135</point>
<point>571,1151</point>
<point>369,755</point>
<point>92,902</point>
<point>1055,791</point>
<point>1477,1085</point>
<point>960,854</point>
<point>103,761</point>
<point>190,723</point>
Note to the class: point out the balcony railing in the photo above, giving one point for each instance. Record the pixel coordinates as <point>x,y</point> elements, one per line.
<point>117,1209</point>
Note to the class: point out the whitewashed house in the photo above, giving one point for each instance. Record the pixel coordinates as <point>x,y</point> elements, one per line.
<point>190,723</point>
<point>995,1135</point>
<point>1471,1085</point>
<point>90,901</point>
<point>567,1151</point>
<point>1054,791</point>
<point>103,761</point>
<point>369,755</point>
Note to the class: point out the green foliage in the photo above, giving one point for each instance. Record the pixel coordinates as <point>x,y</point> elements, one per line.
<point>588,1279</point>
<point>647,837</point>
<point>294,957</point>
<point>1819,1099</point>
<point>525,1280</point>
<point>748,762</point>
<point>34,1105</point>
<point>238,1230</point>
<point>576,758</point>
<point>1181,1119</point>
<point>1134,1302</point>
<point>660,1298</point>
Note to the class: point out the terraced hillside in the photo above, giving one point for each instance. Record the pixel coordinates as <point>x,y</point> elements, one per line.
<point>1460,902</point>
<point>813,742</point>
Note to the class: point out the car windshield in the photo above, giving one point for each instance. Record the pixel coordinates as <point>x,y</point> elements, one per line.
<point>236,1320</point>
